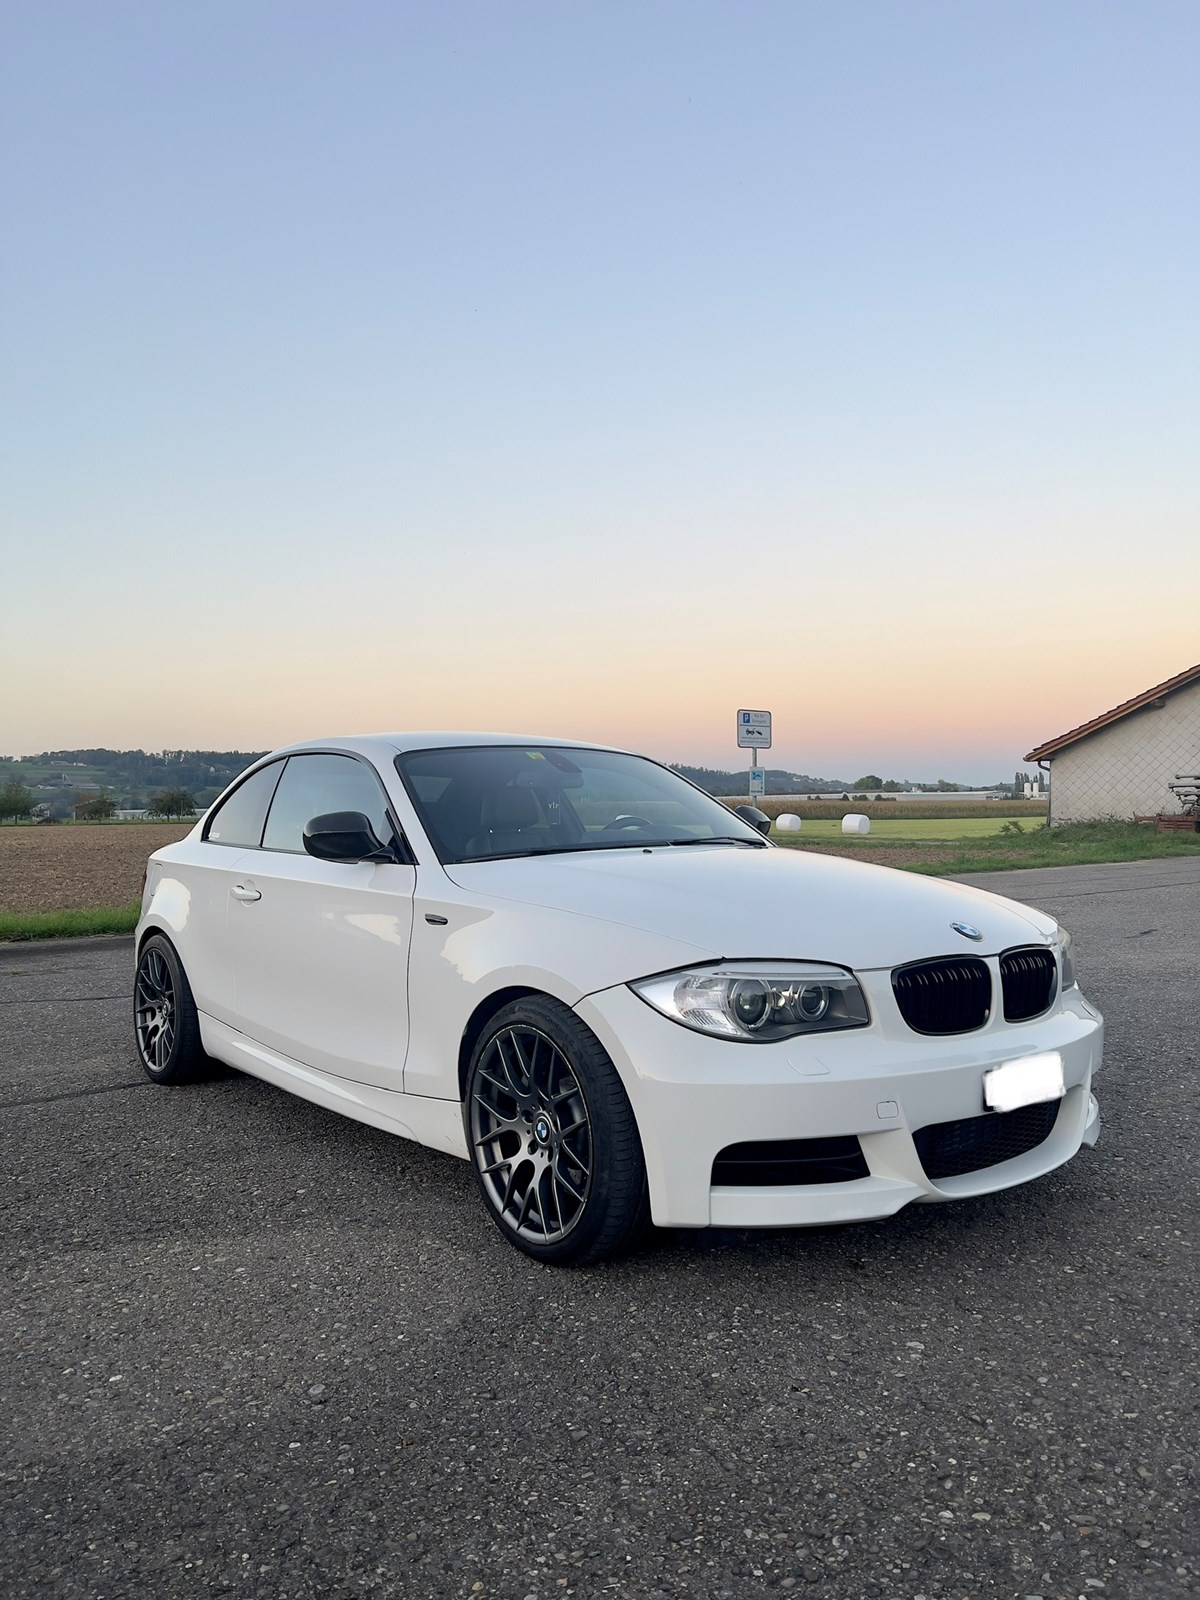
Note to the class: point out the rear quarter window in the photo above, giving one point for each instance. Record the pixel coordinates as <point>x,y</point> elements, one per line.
<point>238,820</point>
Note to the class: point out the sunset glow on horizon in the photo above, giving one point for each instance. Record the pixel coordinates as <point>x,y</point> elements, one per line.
<point>592,372</point>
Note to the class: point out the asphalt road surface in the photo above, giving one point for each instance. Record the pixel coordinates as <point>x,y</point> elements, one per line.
<point>252,1348</point>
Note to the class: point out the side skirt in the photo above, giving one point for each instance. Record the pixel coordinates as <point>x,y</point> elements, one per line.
<point>437,1123</point>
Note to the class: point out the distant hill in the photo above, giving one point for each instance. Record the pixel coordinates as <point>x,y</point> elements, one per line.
<point>778,781</point>
<point>130,776</point>
<point>781,782</point>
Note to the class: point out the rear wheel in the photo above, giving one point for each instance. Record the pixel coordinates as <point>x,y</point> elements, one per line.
<point>552,1136</point>
<point>165,1023</point>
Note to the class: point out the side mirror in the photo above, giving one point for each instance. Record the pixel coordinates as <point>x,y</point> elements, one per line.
<point>756,818</point>
<point>344,836</point>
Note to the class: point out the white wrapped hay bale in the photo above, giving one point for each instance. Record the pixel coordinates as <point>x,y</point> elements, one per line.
<point>855,822</point>
<point>789,822</point>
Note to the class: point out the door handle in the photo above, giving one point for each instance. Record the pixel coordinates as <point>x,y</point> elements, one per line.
<point>240,892</point>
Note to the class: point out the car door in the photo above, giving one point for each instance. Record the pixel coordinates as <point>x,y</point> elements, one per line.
<point>320,948</point>
<point>205,871</point>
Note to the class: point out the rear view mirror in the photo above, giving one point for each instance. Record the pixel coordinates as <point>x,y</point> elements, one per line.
<point>344,836</point>
<point>756,818</point>
<point>547,779</point>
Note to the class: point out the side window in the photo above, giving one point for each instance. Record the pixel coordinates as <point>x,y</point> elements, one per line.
<point>313,785</point>
<point>239,820</point>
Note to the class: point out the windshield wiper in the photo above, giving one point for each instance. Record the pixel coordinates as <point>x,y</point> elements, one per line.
<point>606,844</point>
<point>564,850</point>
<point>719,838</point>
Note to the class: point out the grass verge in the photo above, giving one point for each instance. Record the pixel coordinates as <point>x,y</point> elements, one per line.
<point>15,925</point>
<point>1077,844</point>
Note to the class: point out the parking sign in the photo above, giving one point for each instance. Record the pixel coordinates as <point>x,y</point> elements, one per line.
<point>754,730</point>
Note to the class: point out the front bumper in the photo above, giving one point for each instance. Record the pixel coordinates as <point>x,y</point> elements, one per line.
<point>693,1096</point>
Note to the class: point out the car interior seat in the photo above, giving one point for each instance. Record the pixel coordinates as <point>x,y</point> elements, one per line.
<point>510,819</point>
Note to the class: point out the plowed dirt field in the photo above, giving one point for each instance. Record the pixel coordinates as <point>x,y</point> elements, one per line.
<point>76,866</point>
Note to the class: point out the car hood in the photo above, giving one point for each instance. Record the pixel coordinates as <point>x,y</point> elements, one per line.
<point>746,903</point>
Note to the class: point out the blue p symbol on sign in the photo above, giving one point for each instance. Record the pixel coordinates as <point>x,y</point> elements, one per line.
<point>745,716</point>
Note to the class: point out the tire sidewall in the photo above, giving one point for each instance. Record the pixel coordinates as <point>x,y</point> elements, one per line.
<point>182,999</point>
<point>586,1058</point>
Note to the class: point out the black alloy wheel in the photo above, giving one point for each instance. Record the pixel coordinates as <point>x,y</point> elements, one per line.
<point>166,1026</point>
<point>552,1136</point>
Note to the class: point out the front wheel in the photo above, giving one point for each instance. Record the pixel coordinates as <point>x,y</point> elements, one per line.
<point>552,1136</point>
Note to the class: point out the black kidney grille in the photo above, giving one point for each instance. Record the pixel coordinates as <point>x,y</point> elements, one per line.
<point>948,1149</point>
<point>777,1162</point>
<point>1028,978</point>
<point>950,995</point>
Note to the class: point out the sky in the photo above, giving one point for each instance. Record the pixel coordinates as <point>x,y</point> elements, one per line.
<point>595,369</point>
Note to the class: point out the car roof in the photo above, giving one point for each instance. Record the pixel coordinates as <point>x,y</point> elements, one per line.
<point>385,745</point>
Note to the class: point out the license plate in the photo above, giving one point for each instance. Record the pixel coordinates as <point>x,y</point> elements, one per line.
<point>1025,1082</point>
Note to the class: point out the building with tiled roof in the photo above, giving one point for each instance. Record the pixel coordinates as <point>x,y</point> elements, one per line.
<point>1121,763</point>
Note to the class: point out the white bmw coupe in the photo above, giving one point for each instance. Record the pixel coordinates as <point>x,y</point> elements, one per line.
<point>608,991</point>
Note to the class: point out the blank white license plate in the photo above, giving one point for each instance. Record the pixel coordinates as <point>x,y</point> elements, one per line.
<point>1025,1082</point>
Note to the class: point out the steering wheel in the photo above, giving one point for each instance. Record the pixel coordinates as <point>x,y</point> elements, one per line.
<point>620,824</point>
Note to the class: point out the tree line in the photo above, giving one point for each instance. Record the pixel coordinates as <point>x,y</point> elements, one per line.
<point>81,782</point>
<point>780,782</point>
<point>206,772</point>
<point>17,803</point>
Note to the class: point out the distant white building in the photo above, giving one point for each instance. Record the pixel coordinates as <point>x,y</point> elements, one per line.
<point>1120,763</point>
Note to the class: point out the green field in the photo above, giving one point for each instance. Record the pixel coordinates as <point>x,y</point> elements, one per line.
<point>1077,844</point>
<point>894,810</point>
<point>908,828</point>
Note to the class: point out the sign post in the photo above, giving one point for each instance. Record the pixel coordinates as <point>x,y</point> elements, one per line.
<point>754,734</point>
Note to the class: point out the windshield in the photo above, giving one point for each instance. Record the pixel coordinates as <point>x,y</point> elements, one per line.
<point>519,800</point>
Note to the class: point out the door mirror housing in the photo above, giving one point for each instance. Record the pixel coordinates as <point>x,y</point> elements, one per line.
<point>344,836</point>
<point>756,818</point>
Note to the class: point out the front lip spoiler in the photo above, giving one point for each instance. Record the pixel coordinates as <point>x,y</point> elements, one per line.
<point>1093,1125</point>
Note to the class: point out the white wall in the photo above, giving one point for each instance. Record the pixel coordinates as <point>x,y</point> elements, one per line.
<point>1123,770</point>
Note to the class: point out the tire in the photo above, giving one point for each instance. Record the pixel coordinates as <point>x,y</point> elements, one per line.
<point>166,1028</point>
<point>552,1137</point>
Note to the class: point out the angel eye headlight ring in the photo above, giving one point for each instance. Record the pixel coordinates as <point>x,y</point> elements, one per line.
<point>750,1000</point>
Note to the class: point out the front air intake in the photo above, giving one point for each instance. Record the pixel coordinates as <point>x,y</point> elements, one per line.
<point>780,1163</point>
<point>951,1149</point>
<point>950,995</point>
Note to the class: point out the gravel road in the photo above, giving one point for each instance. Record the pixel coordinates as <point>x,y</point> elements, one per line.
<point>256,1349</point>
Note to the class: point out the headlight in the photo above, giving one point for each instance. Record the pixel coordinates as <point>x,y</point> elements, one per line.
<point>758,1001</point>
<point>1066,960</point>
